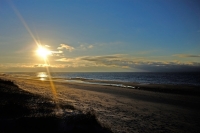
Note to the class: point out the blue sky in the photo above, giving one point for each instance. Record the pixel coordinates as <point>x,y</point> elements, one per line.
<point>101,35</point>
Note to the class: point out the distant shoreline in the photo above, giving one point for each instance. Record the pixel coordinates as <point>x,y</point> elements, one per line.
<point>163,88</point>
<point>187,79</point>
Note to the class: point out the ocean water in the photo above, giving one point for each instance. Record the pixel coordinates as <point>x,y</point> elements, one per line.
<point>138,77</point>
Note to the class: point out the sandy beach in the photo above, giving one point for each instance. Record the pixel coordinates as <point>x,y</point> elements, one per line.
<point>143,109</point>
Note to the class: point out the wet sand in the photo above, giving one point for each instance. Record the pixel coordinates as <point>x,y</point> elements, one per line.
<point>147,108</point>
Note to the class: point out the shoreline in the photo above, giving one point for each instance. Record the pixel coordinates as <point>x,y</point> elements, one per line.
<point>142,78</point>
<point>125,110</point>
<point>184,89</point>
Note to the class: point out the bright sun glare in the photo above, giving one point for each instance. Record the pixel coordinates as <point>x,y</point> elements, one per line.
<point>43,52</point>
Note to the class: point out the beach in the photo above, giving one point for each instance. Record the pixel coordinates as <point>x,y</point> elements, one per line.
<point>143,108</point>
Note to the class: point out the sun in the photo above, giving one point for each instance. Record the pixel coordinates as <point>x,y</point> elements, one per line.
<point>43,52</point>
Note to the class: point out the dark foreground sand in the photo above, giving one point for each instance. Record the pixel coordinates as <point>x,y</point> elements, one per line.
<point>149,108</point>
<point>24,112</point>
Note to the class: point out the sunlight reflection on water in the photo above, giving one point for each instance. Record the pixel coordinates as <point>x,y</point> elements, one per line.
<point>42,75</point>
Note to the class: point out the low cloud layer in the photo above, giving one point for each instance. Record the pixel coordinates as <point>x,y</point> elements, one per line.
<point>115,62</point>
<point>186,55</point>
<point>121,61</point>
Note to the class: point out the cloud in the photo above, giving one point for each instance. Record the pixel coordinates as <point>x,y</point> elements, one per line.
<point>29,66</point>
<point>82,47</point>
<point>65,46</point>
<point>47,46</point>
<point>64,60</point>
<point>90,46</point>
<point>131,63</point>
<point>41,65</point>
<point>21,65</point>
<point>85,46</point>
<point>102,58</point>
<point>56,53</point>
<point>51,66</point>
<point>186,55</point>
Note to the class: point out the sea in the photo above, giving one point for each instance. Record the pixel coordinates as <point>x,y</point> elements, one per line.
<point>171,78</point>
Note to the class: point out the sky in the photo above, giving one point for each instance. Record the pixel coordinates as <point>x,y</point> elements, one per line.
<point>100,35</point>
